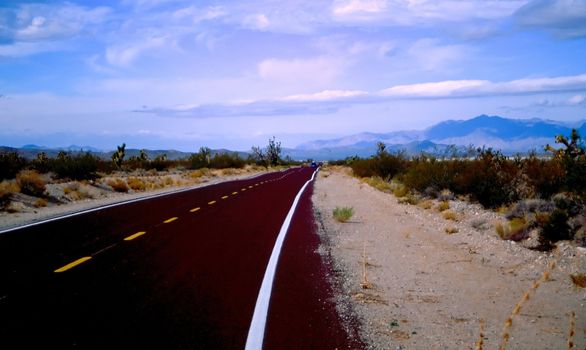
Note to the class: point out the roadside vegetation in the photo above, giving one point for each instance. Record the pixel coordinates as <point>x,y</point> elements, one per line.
<point>542,195</point>
<point>343,214</point>
<point>71,176</point>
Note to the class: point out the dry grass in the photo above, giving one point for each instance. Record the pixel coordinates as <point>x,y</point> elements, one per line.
<point>451,230</point>
<point>343,214</point>
<point>571,330</point>
<point>513,229</point>
<point>118,185</point>
<point>517,309</point>
<point>40,203</point>
<point>7,189</point>
<point>378,183</point>
<point>480,341</point>
<point>443,206</point>
<point>136,184</point>
<point>579,279</point>
<point>450,215</point>
<point>426,204</point>
<point>31,183</point>
<point>400,190</point>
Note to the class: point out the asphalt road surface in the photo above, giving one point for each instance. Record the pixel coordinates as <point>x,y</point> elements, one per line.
<point>180,271</point>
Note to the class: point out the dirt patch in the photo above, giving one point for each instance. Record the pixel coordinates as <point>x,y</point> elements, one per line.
<point>431,290</point>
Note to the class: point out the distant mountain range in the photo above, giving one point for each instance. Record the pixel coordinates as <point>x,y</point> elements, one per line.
<point>509,135</point>
<point>31,151</point>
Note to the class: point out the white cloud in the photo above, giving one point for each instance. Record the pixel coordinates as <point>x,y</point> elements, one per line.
<point>126,54</point>
<point>326,95</point>
<point>352,7</point>
<point>256,21</point>
<point>312,71</point>
<point>36,22</point>
<point>331,101</point>
<point>564,18</point>
<point>430,55</point>
<point>469,88</point>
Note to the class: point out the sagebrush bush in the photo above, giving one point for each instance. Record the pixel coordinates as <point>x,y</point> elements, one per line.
<point>31,183</point>
<point>343,214</point>
<point>136,184</point>
<point>118,185</point>
<point>7,190</point>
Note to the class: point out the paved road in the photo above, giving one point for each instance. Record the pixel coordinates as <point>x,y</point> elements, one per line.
<point>181,271</point>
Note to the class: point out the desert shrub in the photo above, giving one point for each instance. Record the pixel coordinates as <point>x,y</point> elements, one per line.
<point>427,204</point>
<point>160,163</point>
<point>7,190</point>
<point>579,279</point>
<point>31,183</point>
<point>546,176</point>
<point>10,164</point>
<point>79,167</point>
<point>443,206</point>
<point>399,190</point>
<point>451,230</point>
<point>136,184</point>
<point>42,163</point>
<point>378,183</point>
<point>118,185</point>
<point>557,228</point>
<point>343,214</point>
<point>410,198</point>
<point>450,215</point>
<point>40,203</point>
<point>227,160</point>
<point>515,229</point>
<point>580,236</point>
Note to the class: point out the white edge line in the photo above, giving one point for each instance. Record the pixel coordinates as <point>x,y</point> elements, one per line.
<point>123,203</point>
<point>256,331</point>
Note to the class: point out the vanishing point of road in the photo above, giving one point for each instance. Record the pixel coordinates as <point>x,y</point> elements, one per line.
<point>187,270</point>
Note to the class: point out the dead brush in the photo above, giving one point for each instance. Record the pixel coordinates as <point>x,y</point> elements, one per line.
<point>514,229</point>
<point>118,185</point>
<point>426,204</point>
<point>450,215</point>
<point>451,230</point>
<point>136,184</point>
<point>517,309</point>
<point>7,190</point>
<point>40,203</point>
<point>443,206</point>
<point>572,330</point>
<point>31,183</point>
<point>579,279</point>
<point>364,284</point>
<point>480,341</point>
<point>378,183</point>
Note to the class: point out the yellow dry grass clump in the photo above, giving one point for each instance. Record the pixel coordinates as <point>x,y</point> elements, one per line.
<point>136,184</point>
<point>443,206</point>
<point>118,185</point>
<point>450,215</point>
<point>31,182</point>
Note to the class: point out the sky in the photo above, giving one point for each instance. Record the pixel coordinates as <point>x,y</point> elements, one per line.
<point>177,74</point>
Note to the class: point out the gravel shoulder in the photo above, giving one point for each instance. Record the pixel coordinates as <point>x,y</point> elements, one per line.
<point>427,289</point>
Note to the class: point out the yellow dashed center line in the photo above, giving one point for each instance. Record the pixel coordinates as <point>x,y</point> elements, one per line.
<point>73,264</point>
<point>255,184</point>
<point>234,193</point>
<point>195,209</point>
<point>212,202</point>
<point>244,189</point>
<point>170,220</point>
<point>131,237</point>
<point>249,186</point>
<point>224,197</point>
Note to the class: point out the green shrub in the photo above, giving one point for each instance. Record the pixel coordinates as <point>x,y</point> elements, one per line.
<point>10,164</point>
<point>343,214</point>
<point>79,167</point>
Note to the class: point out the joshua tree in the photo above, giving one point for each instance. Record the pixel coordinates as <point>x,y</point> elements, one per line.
<point>118,156</point>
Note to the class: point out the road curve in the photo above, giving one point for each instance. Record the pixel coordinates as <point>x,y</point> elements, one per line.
<point>181,271</point>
